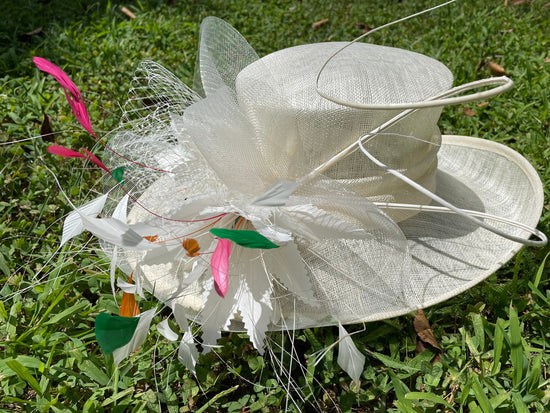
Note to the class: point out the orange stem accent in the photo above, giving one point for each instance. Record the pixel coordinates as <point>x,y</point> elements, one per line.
<point>240,222</point>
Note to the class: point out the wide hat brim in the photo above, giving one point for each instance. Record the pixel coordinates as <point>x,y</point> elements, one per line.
<point>450,255</point>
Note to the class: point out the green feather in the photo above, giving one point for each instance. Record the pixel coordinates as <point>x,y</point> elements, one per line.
<point>113,331</point>
<point>247,239</point>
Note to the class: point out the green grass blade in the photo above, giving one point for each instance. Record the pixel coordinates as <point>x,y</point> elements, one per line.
<point>519,405</point>
<point>77,308</point>
<point>479,331</point>
<point>415,395</point>
<point>117,396</point>
<point>4,267</point>
<point>216,397</point>
<point>474,408</point>
<point>404,408</point>
<point>3,312</point>
<point>472,344</point>
<point>18,400</point>
<point>466,391</point>
<point>392,363</point>
<point>312,338</point>
<point>401,391</point>
<point>44,383</point>
<point>499,399</point>
<point>481,397</point>
<point>498,343</point>
<point>516,349</point>
<point>538,275</point>
<point>50,405</point>
<point>92,371</point>
<point>24,374</point>
<point>535,373</point>
<point>57,299</point>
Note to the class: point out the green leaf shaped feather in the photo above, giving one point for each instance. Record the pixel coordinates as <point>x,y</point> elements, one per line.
<point>118,174</point>
<point>247,239</point>
<point>113,331</point>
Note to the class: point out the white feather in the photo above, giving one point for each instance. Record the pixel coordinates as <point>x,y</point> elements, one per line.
<point>289,268</point>
<point>112,270</point>
<point>73,224</point>
<point>277,194</point>
<point>120,210</point>
<point>116,232</point>
<point>254,301</point>
<point>140,334</point>
<point>218,312</point>
<point>164,328</point>
<point>187,352</point>
<point>179,314</point>
<point>350,359</point>
<point>126,287</point>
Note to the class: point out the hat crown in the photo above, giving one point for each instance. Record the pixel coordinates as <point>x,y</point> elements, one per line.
<point>362,72</point>
<point>278,94</point>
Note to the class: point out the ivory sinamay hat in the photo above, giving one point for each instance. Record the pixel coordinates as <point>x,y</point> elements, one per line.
<point>266,205</point>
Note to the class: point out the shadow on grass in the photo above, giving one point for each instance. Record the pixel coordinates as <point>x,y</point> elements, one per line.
<point>25,25</point>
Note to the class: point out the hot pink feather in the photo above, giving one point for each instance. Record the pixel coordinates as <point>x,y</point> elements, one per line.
<point>220,266</point>
<point>69,153</point>
<point>71,91</point>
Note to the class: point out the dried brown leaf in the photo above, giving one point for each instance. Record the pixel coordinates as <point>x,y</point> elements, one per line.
<point>46,129</point>
<point>128,12</point>
<point>468,112</point>
<point>365,27</point>
<point>33,32</point>
<point>319,23</point>
<point>424,330</point>
<point>496,69</point>
<point>482,104</point>
<point>516,2</point>
<point>420,346</point>
<point>547,60</point>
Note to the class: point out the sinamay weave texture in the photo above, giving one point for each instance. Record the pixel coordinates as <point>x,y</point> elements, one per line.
<point>340,257</point>
<point>365,73</point>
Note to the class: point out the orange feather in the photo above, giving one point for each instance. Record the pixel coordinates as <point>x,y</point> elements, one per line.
<point>128,305</point>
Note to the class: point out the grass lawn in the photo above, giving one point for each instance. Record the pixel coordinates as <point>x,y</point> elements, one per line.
<point>495,337</point>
